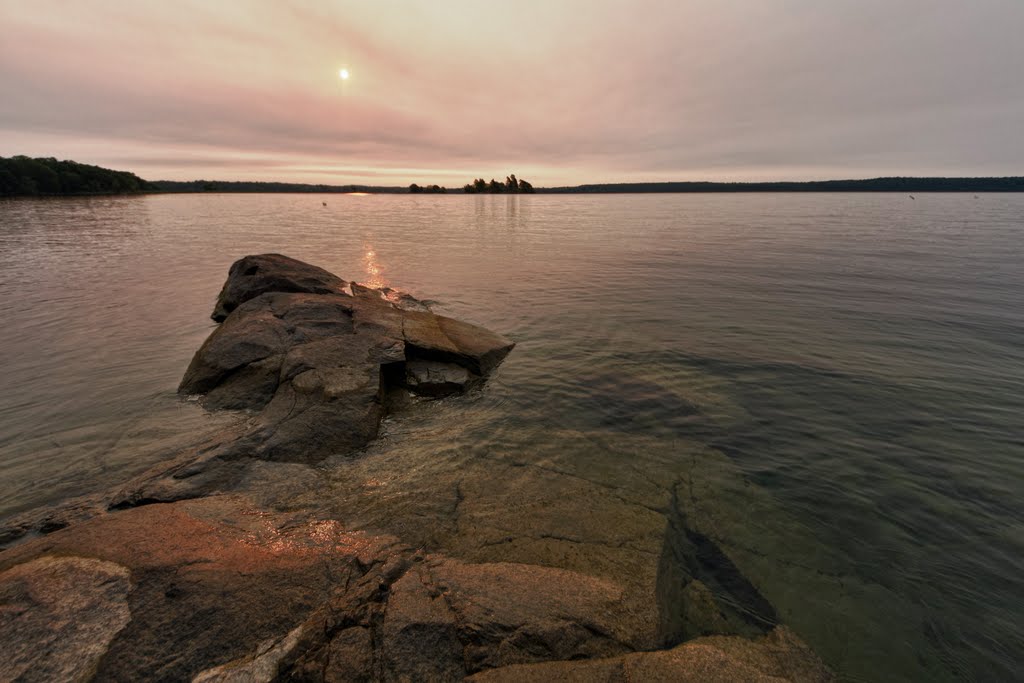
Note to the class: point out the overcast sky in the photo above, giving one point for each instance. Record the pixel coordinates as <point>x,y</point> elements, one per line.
<point>558,91</point>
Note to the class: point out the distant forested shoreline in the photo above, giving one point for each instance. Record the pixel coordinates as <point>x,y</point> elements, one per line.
<point>896,184</point>
<point>21,176</point>
<point>269,187</point>
<point>480,186</point>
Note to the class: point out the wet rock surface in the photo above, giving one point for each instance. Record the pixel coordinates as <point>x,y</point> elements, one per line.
<point>292,546</point>
<point>222,590</point>
<point>318,358</point>
<point>71,608</point>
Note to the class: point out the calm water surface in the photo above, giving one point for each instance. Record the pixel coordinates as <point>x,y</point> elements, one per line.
<point>859,358</point>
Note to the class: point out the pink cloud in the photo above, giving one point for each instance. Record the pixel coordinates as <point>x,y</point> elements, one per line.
<point>570,91</point>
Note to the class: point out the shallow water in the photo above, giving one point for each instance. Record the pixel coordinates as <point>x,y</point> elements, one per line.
<point>857,358</point>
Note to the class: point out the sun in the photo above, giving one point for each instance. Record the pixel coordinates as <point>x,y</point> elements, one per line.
<point>343,74</point>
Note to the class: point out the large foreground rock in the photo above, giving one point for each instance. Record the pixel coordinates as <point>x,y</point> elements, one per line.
<point>219,590</point>
<point>319,358</point>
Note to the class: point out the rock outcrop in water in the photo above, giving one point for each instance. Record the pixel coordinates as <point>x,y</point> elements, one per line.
<point>268,552</point>
<point>318,356</point>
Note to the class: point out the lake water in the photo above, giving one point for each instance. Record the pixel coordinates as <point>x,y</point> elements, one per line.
<point>857,360</point>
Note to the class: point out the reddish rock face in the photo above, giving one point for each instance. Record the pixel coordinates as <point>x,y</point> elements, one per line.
<point>197,583</point>
<point>219,590</point>
<point>69,607</point>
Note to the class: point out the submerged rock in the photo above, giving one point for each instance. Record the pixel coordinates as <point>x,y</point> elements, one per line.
<point>218,590</point>
<point>318,357</point>
<point>778,656</point>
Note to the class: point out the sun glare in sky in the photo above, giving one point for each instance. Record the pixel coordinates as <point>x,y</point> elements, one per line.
<point>594,92</point>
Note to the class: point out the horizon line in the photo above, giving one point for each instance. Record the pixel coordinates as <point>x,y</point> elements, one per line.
<point>892,183</point>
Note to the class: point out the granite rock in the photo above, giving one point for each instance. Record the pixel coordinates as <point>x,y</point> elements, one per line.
<point>318,358</point>
<point>58,616</point>
<point>253,275</point>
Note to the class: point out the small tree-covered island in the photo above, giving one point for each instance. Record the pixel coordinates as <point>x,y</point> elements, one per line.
<point>427,189</point>
<point>512,185</point>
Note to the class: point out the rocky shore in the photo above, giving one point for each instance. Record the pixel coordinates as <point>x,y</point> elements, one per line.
<point>295,545</point>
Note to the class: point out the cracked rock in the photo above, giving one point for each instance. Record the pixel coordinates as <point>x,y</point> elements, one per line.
<point>317,358</point>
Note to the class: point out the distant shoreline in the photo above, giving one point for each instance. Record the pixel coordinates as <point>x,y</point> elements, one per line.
<point>48,177</point>
<point>820,187</point>
<point>896,184</point>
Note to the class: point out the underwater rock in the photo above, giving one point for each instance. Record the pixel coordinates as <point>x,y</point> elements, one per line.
<point>778,656</point>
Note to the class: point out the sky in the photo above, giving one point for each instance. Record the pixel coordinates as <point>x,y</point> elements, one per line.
<point>559,92</point>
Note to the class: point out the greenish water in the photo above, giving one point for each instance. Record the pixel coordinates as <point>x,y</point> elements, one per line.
<point>856,361</point>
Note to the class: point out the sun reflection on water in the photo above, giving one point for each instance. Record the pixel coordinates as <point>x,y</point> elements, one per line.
<point>374,271</point>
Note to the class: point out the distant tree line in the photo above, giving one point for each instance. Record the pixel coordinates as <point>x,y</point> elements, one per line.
<point>24,176</point>
<point>427,189</point>
<point>510,186</point>
<point>896,184</point>
<point>259,186</point>
<point>21,176</point>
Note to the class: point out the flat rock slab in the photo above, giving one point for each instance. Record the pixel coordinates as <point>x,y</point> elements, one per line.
<point>318,358</point>
<point>219,590</point>
<point>164,591</point>
<point>58,616</point>
<point>558,506</point>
